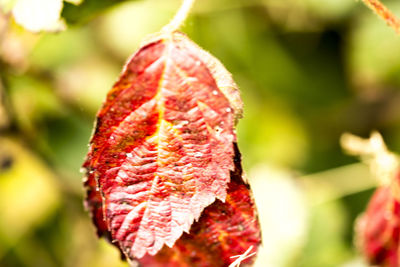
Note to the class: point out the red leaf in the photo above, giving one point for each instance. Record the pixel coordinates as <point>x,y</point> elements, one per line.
<point>379,228</point>
<point>162,150</point>
<point>223,231</point>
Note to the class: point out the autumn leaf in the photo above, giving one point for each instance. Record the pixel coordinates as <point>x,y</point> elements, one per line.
<point>163,149</point>
<point>378,230</point>
<point>225,229</point>
<point>94,204</point>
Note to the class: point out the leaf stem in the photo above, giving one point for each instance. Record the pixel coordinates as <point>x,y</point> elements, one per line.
<point>179,17</point>
<point>384,13</point>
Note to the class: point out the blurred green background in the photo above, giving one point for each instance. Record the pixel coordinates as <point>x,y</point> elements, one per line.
<point>308,70</point>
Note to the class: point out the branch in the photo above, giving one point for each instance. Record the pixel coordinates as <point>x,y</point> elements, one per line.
<point>384,13</point>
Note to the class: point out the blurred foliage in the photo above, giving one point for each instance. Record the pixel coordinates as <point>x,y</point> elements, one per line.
<point>87,10</point>
<point>309,70</point>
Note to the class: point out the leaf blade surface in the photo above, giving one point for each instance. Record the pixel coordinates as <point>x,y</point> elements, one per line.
<point>163,150</point>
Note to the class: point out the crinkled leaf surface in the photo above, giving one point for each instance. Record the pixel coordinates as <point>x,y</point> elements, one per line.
<point>163,147</point>
<point>225,229</point>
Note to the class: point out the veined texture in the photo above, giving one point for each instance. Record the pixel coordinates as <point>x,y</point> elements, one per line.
<point>163,148</point>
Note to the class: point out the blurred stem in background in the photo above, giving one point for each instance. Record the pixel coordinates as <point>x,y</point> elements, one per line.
<point>384,13</point>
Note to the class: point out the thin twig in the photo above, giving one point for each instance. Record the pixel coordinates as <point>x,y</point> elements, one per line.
<point>179,17</point>
<point>384,13</point>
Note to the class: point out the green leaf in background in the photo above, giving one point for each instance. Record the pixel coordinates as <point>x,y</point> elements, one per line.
<point>85,11</point>
<point>134,20</point>
<point>29,192</point>
<point>4,117</point>
<point>32,101</point>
